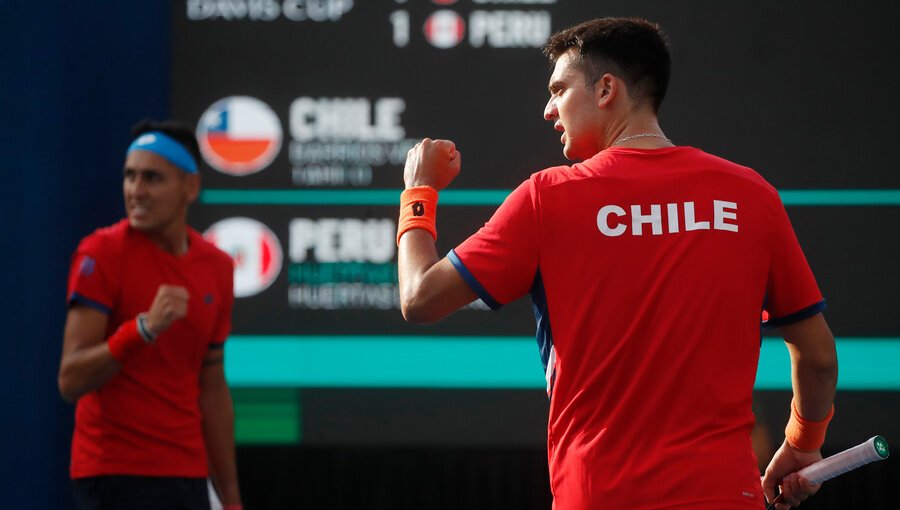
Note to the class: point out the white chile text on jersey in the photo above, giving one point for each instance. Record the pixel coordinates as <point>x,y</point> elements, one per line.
<point>612,220</point>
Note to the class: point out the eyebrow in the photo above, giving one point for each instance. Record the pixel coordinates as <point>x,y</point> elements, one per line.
<point>141,171</point>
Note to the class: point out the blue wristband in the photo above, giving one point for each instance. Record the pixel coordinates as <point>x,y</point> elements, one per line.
<point>143,330</point>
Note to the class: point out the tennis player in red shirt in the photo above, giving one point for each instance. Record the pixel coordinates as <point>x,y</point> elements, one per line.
<point>648,265</point>
<point>149,311</point>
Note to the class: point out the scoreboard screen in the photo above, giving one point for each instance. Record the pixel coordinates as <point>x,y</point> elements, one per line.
<point>305,110</point>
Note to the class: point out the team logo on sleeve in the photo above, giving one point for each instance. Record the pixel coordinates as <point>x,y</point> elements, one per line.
<point>87,265</point>
<point>239,135</point>
<point>255,249</point>
<point>444,29</point>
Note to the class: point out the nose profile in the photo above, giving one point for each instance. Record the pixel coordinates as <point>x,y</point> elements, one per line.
<point>550,110</point>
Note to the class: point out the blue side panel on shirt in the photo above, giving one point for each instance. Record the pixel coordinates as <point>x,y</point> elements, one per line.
<point>543,333</point>
<point>805,313</point>
<point>473,283</point>
<point>78,298</point>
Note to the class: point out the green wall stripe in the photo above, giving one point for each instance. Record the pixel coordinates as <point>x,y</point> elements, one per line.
<point>865,197</point>
<point>809,197</point>
<point>489,197</point>
<point>389,362</point>
<point>864,363</point>
<point>341,197</point>
<point>485,362</point>
<point>267,415</point>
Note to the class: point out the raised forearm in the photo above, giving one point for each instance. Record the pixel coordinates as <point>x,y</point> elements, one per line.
<point>430,289</point>
<point>417,254</point>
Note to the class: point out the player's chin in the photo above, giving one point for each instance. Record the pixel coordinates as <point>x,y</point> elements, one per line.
<point>140,222</point>
<point>572,154</point>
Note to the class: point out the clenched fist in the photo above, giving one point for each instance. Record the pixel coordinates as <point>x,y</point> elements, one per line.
<point>169,305</point>
<point>432,163</point>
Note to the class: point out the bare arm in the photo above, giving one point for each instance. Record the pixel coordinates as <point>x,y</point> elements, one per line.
<point>813,365</point>
<point>86,362</point>
<point>217,410</point>
<point>430,289</point>
<point>814,378</point>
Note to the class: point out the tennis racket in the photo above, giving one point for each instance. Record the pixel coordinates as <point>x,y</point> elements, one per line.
<point>876,448</point>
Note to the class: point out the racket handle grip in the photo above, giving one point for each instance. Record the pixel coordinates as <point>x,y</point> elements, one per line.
<point>876,448</point>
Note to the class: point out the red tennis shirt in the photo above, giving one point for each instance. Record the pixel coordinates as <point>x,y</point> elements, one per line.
<point>146,419</point>
<point>648,270</point>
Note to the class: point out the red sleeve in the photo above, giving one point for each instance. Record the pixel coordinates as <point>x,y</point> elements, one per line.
<point>500,261</point>
<point>792,293</point>
<point>223,323</point>
<point>91,276</point>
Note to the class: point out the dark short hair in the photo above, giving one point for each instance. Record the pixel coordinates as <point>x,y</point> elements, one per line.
<point>181,132</point>
<point>632,49</point>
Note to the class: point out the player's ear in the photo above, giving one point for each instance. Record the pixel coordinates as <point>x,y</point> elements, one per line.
<point>192,187</point>
<point>605,90</point>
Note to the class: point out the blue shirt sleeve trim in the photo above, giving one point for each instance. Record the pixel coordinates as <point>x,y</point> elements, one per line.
<point>472,281</point>
<point>543,332</point>
<point>805,313</point>
<point>78,298</point>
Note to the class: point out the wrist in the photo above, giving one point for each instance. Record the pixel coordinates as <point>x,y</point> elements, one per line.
<point>144,329</point>
<point>125,342</point>
<point>418,209</point>
<point>420,184</point>
<point>805,435</point>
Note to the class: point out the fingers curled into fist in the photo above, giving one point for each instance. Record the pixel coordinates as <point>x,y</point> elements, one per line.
<point>169,305</point>
<point>434,163</point>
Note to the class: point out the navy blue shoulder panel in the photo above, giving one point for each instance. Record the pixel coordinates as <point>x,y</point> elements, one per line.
<point>543,333</point>
<point>472,281</point>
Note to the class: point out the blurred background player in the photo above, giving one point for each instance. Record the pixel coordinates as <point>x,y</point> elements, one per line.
<point>648,265</point>
<point>149,311</point>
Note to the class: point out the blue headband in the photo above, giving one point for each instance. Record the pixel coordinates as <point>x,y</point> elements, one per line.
<point>167,147</point>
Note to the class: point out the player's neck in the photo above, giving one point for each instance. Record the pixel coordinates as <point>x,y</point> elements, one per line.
<point>172,239</point>
<point>638,131</point>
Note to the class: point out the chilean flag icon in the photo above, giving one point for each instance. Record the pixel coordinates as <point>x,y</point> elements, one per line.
<point>239,135</point>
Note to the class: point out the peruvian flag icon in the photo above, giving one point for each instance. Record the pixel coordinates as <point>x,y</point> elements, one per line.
<point>444,29</point>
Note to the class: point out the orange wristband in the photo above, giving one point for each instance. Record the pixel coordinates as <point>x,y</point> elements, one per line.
<point>125,342</point>
<point>418,209</point>
<point>806,435</point>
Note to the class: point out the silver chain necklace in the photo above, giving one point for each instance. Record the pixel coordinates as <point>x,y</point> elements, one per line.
<point>641,135</point>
